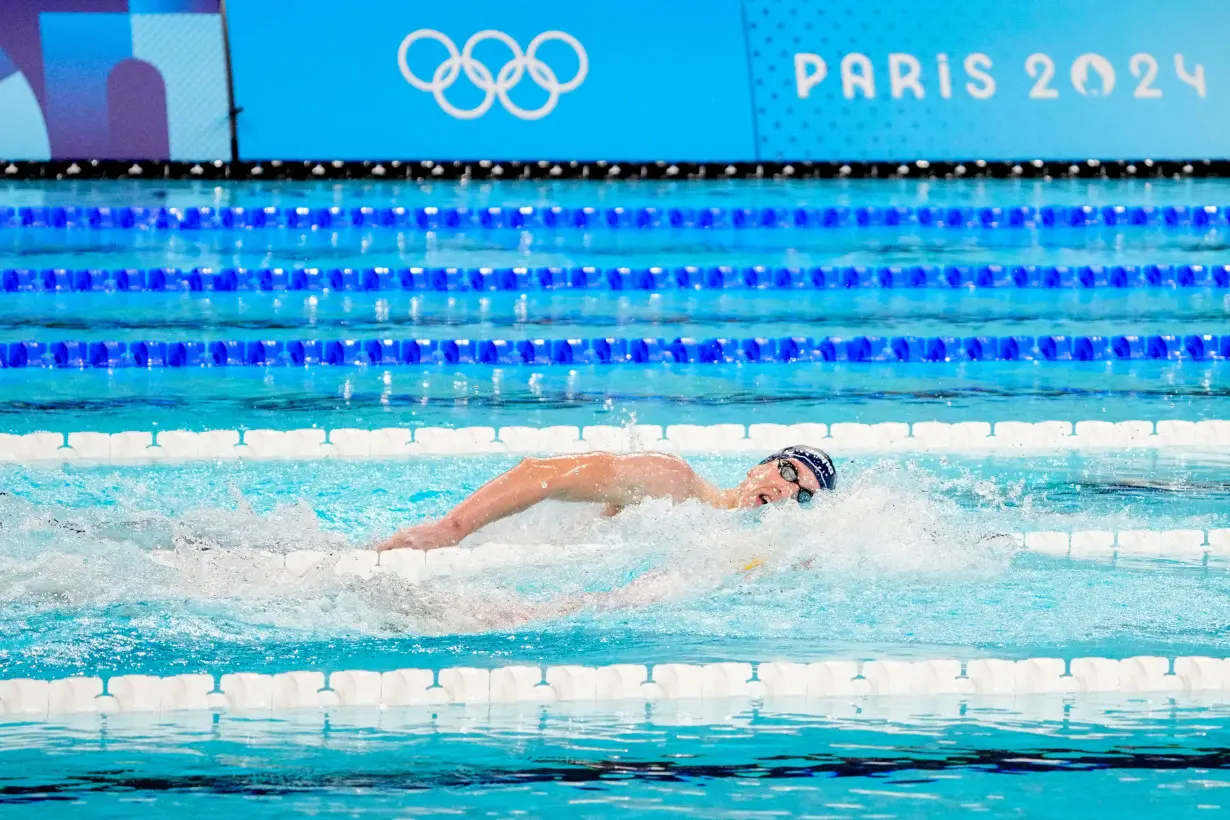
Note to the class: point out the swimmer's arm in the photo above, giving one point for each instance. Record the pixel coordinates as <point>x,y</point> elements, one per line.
<point>579,478</point>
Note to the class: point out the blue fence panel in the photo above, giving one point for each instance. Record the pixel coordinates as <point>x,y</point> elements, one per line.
<point>65,65</point>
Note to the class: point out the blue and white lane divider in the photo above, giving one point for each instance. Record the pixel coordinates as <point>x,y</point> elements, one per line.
<point>587,218</point>
<point>588,278</point>
<point>968,680</point>
<point>74,355</point>
<point>842,438</point>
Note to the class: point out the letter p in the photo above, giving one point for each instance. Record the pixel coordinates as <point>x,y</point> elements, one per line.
<point>809,71</point>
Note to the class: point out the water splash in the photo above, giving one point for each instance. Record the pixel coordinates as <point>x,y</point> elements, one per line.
<point>564,560</point>
<point>100,566</point>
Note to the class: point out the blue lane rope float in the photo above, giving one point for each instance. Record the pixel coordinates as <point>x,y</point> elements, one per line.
<point>688,277</point>
<point>612,351</point>
<point>558,217</point>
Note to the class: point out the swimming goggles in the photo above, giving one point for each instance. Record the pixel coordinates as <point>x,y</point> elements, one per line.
<point>791,473</point>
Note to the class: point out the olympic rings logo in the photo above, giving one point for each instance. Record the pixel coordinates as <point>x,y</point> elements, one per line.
<point>508,76</point>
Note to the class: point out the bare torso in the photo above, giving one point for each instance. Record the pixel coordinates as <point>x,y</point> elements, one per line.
<point>615,481</point>
<point>620,480</point>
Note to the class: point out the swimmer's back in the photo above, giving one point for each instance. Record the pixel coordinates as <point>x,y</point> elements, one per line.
<point>620,479</point>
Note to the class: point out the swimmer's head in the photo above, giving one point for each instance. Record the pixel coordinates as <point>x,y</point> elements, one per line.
<point>797,472</point>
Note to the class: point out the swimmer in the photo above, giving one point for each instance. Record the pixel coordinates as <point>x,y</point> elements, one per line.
<point>618,481</point>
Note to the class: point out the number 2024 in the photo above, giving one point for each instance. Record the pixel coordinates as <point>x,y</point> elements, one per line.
<point>1093,75</point>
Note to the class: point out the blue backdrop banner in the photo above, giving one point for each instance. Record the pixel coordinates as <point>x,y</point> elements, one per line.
<point>996,79</point>
<point>712,80</point>
<point>472,79</point>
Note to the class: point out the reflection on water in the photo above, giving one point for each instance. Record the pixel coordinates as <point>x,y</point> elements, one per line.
<point>704,759</point>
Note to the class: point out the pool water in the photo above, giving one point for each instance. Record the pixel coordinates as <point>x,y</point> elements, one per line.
<point>164,569</point>
<point>1132,761</point>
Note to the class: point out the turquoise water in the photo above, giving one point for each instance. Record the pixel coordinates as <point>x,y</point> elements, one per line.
<point>288,398</point>
<point>1131,759</point>
<point>287,248</point>
<point>901,562</point>
<point>267,316</point>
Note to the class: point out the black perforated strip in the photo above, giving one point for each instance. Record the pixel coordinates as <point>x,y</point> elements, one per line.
<point>607,170</point>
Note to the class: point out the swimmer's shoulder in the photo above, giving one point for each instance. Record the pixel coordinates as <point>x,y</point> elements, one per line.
<point>659,475</point>
<point>664,463</point>
<point>636,475</point>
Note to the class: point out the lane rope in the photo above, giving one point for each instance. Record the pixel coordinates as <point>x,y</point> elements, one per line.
<point>75,355</point>
<point>842,438</point>
<point>433,218</point>
<point>857,680</point>
<point>589,278</point>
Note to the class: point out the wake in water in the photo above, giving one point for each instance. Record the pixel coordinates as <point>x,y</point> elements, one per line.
<point>563,560</point>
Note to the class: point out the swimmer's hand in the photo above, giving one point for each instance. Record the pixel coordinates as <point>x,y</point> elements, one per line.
<point>434,535</point>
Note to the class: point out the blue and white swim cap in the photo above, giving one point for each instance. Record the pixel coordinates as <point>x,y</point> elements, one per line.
<point>818,461</point>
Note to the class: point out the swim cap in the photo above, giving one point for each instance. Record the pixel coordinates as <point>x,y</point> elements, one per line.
<point>818,461</point>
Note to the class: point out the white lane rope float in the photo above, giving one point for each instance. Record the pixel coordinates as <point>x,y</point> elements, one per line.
<point>840,680</point>
<point>969,437</point>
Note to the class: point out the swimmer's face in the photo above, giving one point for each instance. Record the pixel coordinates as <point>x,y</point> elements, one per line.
<point>766,485</point>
